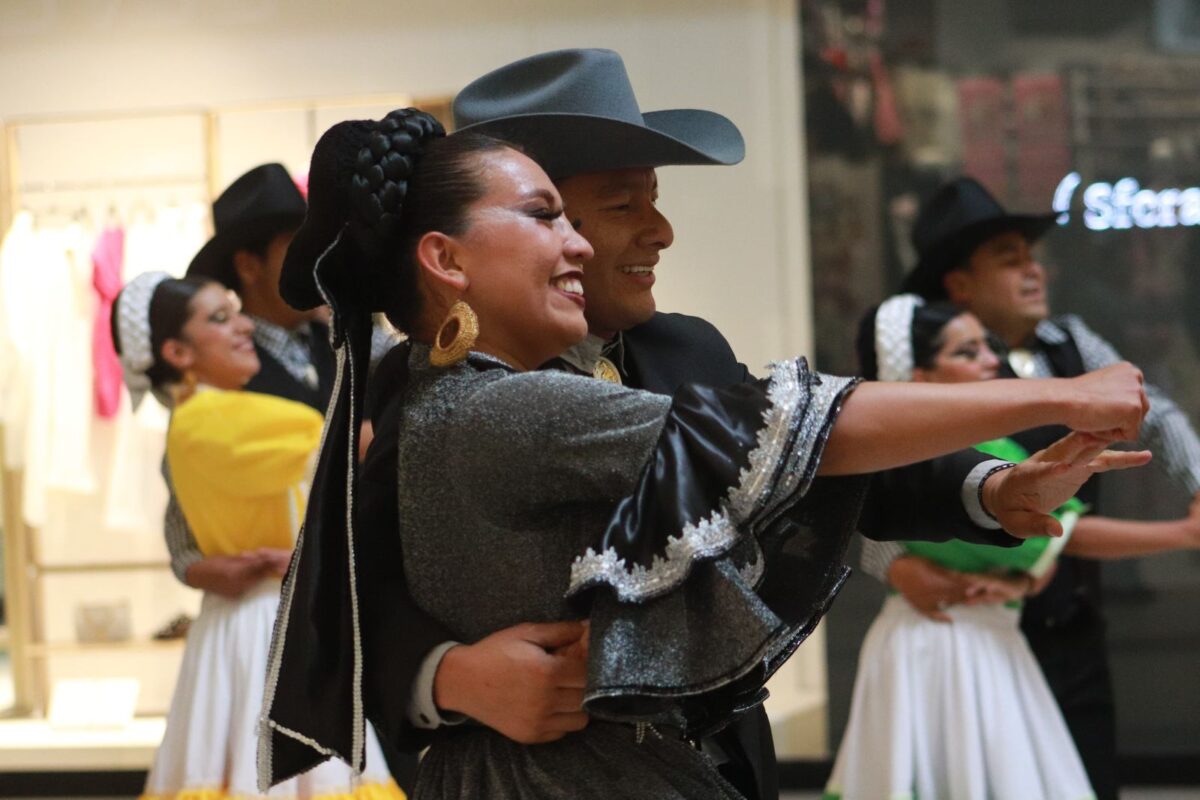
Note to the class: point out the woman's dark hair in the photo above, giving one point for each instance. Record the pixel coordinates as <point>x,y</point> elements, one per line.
<point>446,182</point>
<point>170,307</point>
<point>408,180</point>
<point>928,323</point>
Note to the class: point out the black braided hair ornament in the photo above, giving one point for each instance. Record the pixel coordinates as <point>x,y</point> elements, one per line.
<point>385,164</point>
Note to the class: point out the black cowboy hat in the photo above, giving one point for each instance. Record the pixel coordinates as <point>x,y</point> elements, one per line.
<point>260,203</point>
<point>959,217</point>
<point>574,111</point>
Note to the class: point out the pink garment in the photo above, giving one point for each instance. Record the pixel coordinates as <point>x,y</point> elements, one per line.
<point>889,129</point>
<point>107,258</point>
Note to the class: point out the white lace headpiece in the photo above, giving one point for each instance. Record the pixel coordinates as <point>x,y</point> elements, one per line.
<point>893,337</point>
<point>133,329</point>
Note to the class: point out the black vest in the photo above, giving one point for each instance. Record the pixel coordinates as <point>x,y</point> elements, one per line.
<point>274,379</point>
<point>1075,589</point>
<point>673,349</point>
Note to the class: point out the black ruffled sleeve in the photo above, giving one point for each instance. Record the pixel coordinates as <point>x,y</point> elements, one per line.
<point>724,558</point>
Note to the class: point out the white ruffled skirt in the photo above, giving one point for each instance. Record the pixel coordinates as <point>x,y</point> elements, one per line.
<point>210,745</point>
<point>954,711</point>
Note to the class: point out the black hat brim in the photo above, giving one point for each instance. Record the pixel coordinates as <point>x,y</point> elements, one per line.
<point>925,279</point>
<point>215,258</point>
<point>574,144</point>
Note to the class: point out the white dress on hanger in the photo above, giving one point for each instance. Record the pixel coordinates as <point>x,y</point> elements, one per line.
<point>18,319</point>
<point>48,314</point>
<point>134,495</point>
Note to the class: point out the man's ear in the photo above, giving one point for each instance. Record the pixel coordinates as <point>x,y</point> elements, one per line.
<point>179,354</point>
<point>957,283</point>
<point>248,266</point>
<point>437,256</point>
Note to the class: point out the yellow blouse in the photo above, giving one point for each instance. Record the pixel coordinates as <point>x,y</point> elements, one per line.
<point>239,463</point>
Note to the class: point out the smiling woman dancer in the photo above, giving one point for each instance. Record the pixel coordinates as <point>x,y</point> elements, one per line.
<point>238,461</point>
<point>955,705</point>
<point>693,532</point>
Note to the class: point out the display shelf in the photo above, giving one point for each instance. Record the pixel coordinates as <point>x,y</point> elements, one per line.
<point>102,566</point>
<point>149,153</point>
<point>34,745</point>
<point>45,649</point>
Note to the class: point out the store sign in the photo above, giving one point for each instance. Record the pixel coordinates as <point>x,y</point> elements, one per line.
<point>1125,204</point>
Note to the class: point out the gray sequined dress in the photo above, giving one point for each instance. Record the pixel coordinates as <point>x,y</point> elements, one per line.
<point>545,496</point>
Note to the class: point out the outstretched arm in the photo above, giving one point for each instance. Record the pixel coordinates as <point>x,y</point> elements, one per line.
<point>886,425</point>
<point>1107,538</point>
<point>1166,430</point>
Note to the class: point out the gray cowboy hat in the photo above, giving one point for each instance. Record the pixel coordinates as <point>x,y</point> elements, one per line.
<point>263,202</point>
<point>574,111</point>
<point>958,218</point>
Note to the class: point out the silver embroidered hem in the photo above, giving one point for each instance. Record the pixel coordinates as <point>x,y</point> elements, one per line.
<point>800,405</point>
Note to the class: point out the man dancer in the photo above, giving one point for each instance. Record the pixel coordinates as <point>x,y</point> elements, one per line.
<point>575,113</point>
<point>980,257</point>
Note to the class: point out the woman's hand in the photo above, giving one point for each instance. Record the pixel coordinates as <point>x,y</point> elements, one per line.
<point>1022,498</point>
<point>931,589</point>
<point>274,560</point>
<point>229,576</point>
<point>1109,402</point>
<point>990,589</point>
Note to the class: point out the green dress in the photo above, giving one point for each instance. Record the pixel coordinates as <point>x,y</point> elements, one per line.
<point>1033,556</point>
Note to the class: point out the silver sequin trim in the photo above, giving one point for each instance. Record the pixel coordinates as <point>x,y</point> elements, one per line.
<point>752,571</point>
<point>636,583</point>
<point>761,485</point>
<point>279,637</point>
<point>275,654</point>
<point>801,429</point>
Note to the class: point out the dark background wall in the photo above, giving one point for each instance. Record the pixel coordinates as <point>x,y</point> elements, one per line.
<point>1130,89</point>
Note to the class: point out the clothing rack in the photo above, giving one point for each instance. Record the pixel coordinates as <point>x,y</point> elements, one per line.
<point>26,572</point>
<point>36,187</point>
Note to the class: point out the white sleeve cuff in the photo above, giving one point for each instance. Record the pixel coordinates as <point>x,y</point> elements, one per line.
<point>422,710</point>
<point>972,492</point>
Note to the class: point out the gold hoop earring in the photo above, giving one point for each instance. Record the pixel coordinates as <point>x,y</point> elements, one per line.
<point>185,388</point>
<point>462,326</point>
